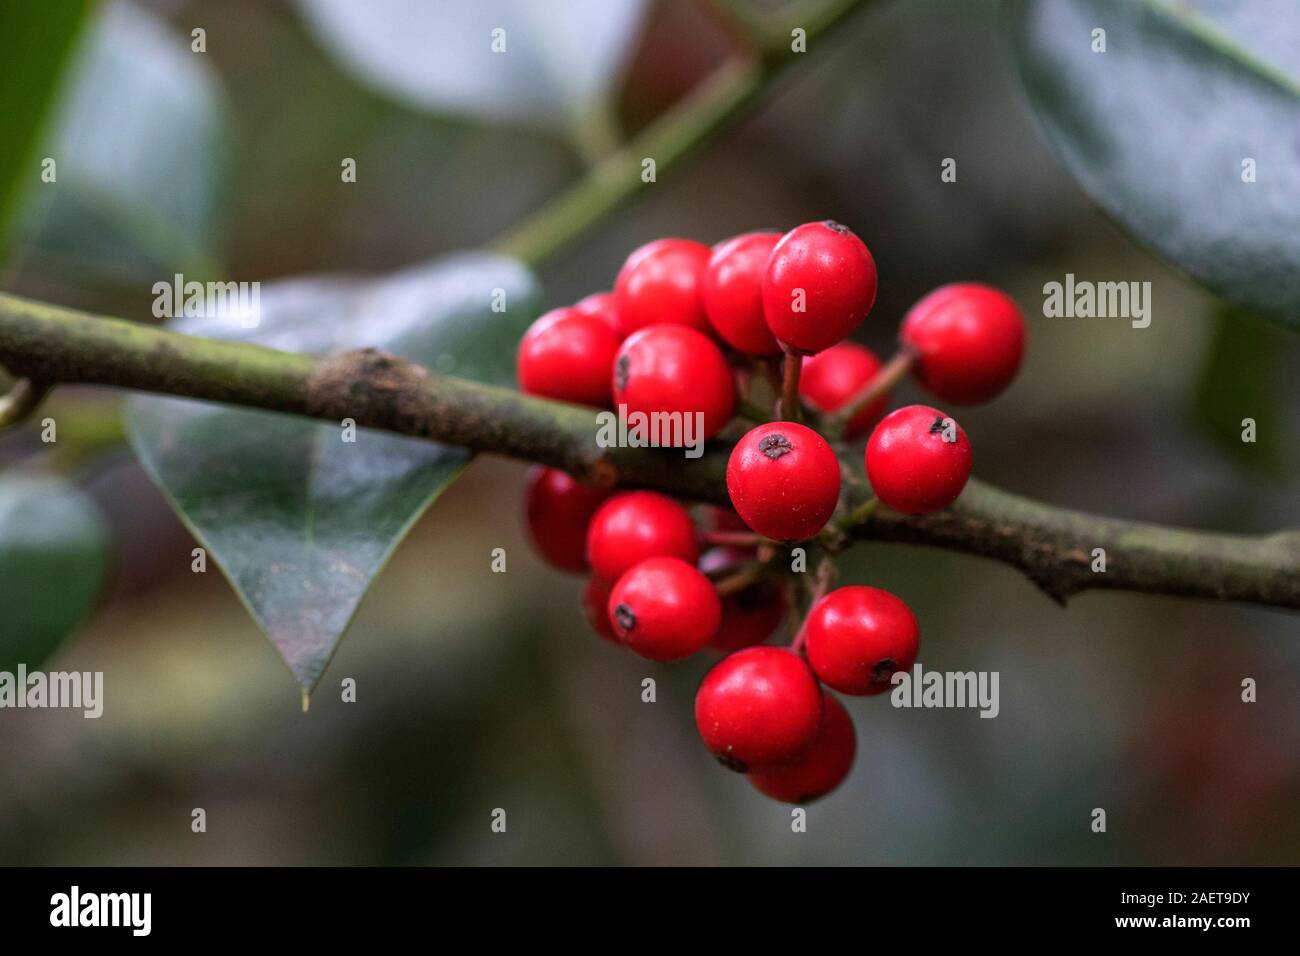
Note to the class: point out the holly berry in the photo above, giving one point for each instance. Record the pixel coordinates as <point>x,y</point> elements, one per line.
<point>566,355</point>
<point>660,283</point>
<point>856,638</point>
<point>825,765</point>
<point>733,292</point>
<point>672,368</point>
<point>664,609</point>
<point>912,465</point>
<point>784,480</point>
<point>969,341</point>
<point>636,525</point>
<point>750,616</point>
<point>758,708</point>
<point>604,307</point>
<point>830,379</point>
<point>595,605</point>
<point>819,285</point>
<point>557,509</point>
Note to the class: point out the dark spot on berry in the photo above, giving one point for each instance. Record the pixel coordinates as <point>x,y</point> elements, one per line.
<point>835,226</point>
<point>884,670</point>
<point>731,763</point>
<point>938,425</point>
<point>620,372</point>
<point>624,616</point>
<point>774,445</point>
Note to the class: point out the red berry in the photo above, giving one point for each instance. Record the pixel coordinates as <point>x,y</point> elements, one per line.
<point>784,480</point>
<point>912,466</point>
<point>733,292</point>
<point>724,519</point>
<point>825,765</point>
<point>819,285</point>
<point>750,616</point>
<point>660,282</point>
<point>857,637</point>
<point>830,379</point>
<point>557,509</point>
<point>604,307</point>
<point>758,708</point>
<point>664,609</point>
<point>670,368</point>
<point>969,338</point>
<point>595,605</point>
<point>636,525</point>
<point>566,355</point>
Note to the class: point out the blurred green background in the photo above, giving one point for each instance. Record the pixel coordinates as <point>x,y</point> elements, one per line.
<point>478,690</point>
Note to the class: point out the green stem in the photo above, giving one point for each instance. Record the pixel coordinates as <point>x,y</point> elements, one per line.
<point>705,111</point>
<point>1054,547</point>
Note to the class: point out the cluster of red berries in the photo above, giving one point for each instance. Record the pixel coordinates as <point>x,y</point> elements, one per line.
<point>685,330</point>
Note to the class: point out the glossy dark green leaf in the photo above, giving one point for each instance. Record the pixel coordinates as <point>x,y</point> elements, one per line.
<point>1163,127</point>
<point>300,520</point>
<point>34,44</point>
<point>52,557</point>
<point>139,140</point>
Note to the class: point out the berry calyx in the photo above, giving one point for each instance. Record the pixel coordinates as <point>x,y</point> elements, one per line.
<point>856,637</point>
<point>758,708</point>
<point>604,307</point>
<point>820,283</point>
<point>675,369</point>
<point>660,283</point>
<point>820,770</point>
<point>732,292</point>
<point>557,510</point>
<point>784,480</point>
<point>636,525</point>
<point>664,609</point>
<point>969,340</point>
<point>918,460</point>
<point>595,605</point>
<point>831,379</point>
<point>566,355</point>
<point>750,616</point>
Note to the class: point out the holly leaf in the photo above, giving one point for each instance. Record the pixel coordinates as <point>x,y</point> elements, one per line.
<point>139,141</point>
<point>34,45</point>
<point>299,519</point>
<point>52,558</point>
<point>1186,129</point>
<point>497,59</point>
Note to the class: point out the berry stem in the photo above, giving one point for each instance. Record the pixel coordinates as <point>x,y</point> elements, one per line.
<point>889,375</point>
<point>744,539</point>
<point>825,577</point>
<point>789,409</point>
<point>738,581</point>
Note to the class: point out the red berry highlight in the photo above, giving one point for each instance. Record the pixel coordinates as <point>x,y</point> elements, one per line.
<point>557,510</point>
<point>825,765</point>
<point>566,355</point>
<point>819,285</point>
<point>831,379</point>
<point>969,340</point>
<point>636,525</point>
<point>758,708</point>
<point>784,480</point>
<point>912,466</point>
<point>733,292</point>
<point>672,368</point>
<point>604,307</point>
<point>660,283</point>
<point>664,609</point>
<point>857,637</point>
